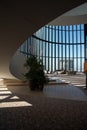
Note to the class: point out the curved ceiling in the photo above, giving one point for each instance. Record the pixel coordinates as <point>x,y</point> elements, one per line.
<point>19,20</point>
<point>77,15</point>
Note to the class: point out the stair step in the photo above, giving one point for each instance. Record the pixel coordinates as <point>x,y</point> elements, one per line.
<point>1,82</point>
<point>14,82</point>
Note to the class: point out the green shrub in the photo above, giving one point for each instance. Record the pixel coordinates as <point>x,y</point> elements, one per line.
<point>35,73</point>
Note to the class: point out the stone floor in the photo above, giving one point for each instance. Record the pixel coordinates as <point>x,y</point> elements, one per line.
<point>58,107</point>
<point>65,91</point>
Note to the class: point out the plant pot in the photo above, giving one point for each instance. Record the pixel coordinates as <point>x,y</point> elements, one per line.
<point>32,85</point>
<point>41,86</point>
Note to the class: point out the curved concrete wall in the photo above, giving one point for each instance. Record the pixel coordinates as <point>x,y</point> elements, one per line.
<point>17,68</point>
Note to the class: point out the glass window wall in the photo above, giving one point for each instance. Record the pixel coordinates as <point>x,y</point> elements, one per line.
<point>59,47</point>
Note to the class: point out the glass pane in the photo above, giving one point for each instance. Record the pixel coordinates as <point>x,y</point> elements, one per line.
<point>59,36</point>
<point>70,36</point>
<point>82,50</point>
<point>78,36</point>
<point>67,50</point>
<point>74,36</point>
<point>56,50</point>
<point>78,50</point>
<point>47,48</point>
<point>63,37</point>
<point>74,50</point>
<point>82,36</point>
<point>56,35</point>
<point>71,53</point>
<point>63,51</point>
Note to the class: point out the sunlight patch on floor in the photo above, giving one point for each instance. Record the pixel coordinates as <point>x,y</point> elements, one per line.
<point>3,97</point>
<point>14,97</point>
<point>14,104</point>
<point>7,99</point>
<point>3,88</point>
<point>80,85</point>
<point>5,92</point>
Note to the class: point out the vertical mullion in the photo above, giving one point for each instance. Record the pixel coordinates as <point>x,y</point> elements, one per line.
<point>48,48</point>
<point>62,47</point>
<point>85,40</point>
<point>45,47</point>
<point>55,50</point>
<point>65,50</point>
<point>80,51</point>
<point>27,48</point>
<point>42,45</point>
<point>30,45</point>
<point>35,47</point>
<point>81,57</point>
<point>42,52</point>
<point>51,50</point>
<point>76,49</point>
<point>69,44</point>
<point>85,35</point>
<point>73,45</point>
<point>39,49</point>
<point>58,51</point>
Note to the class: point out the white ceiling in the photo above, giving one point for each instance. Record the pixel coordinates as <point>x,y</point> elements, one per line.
<point>77,15</point>
<point>80,10</point>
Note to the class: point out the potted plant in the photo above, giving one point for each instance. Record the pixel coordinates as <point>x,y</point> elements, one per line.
<point>35,73</point>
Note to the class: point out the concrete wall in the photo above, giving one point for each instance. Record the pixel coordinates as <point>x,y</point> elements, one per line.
<point>17,68</point>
